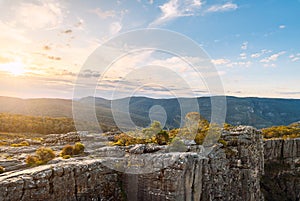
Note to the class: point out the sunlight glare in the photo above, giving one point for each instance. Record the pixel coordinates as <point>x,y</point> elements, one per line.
<point>15,68</point>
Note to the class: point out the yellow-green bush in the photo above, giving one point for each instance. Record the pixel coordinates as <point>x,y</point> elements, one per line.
<point>32,160</point>
<point>21,144</point>
<point>42,156</point>
<point>125,140</point>
<point>291,131</point>
<point>67,150</point>
<point>78,148</point>
<point>162,138</point>
<point>45,154</point>
<point>70,150</point>
<point>199,139</point>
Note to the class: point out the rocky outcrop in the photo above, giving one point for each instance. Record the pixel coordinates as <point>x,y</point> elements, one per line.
<point>282,170</point>
<point>85,180</point>
<point>61,139</point>
<point>231,171</point>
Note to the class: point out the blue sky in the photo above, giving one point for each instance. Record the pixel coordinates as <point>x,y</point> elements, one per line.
<point>254,45</point>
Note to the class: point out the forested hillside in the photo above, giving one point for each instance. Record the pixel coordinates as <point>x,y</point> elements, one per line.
<point>257,112</point>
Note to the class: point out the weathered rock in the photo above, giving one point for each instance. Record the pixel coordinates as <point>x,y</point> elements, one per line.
<point>61,139</point>
<point>137,149</point>
<point>145,148</point>
<point>281,181</point>
<point>228,173</point>
<point>88,180</point>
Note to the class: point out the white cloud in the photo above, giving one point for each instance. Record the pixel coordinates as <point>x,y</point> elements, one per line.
<point>273,57</point>
<point>259,54</point>
<point>115,27</point>
<point>175,8</point>
<point>239,64</point>
<point>222,7</point>
<point>244,45</point>
<point>43,15</point>
<point>103,14</point>
<point>243,55</point>
<point>269,65</point>
<point>256,55</point>
<point>282,26</point>
<point>294,57</point>
<point>220,61</point>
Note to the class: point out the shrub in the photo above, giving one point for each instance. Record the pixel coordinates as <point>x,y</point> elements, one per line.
<point>45,154</point>
<point>42,156</point>
<point>31,160</point>
<point>173,133</point>
<point>67,150</point>
<point>291,131</point>
<point>21,144</point>
<point>78,148</point>
<point>2,169</point>
<point>199,139</point>
<point>125,140</point>
<point>70,150</point>
<point>162,138</point>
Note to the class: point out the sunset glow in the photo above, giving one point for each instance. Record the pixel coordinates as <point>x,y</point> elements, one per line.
<point>15,68</point>
<point>49,42</point>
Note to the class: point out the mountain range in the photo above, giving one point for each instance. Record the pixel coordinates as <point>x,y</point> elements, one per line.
<point>257,112</point>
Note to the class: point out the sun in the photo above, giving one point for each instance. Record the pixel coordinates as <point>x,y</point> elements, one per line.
<point>15,68</point>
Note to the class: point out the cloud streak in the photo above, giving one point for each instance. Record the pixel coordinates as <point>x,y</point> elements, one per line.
<point>103,14</point>
<point>220,61</point>
<point>272,58</point>
<point>174,9</point>
<point>222,7</point>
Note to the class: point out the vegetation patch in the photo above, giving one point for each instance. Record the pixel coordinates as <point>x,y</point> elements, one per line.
<point>21,144</point>
<point>196,128</point>
<point>285,132</point>
<point>15,123</point>
<point>69,150</point>
<point>42,156</point>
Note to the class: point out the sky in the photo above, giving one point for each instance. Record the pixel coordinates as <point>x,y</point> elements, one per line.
<point>253,48</point>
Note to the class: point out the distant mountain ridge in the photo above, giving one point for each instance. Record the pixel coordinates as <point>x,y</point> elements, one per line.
<point>257,112</point>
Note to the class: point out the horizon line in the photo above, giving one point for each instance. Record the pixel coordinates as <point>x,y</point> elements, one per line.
<point>156,98</point>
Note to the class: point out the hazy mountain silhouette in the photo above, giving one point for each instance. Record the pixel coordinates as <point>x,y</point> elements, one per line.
<point>258,112</point>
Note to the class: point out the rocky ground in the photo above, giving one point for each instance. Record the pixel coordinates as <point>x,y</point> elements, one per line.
<point>13,154</point>
<point>229,171</point>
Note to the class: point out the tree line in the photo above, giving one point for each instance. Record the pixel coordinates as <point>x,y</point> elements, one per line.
<point>15,123</point>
